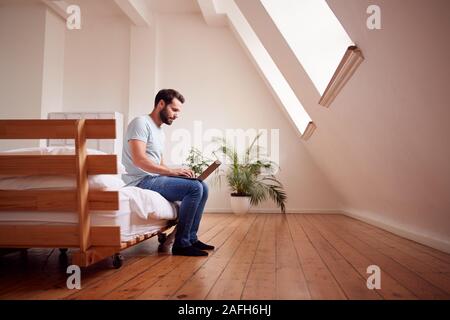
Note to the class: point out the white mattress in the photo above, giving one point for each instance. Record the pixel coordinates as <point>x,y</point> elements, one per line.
<point>131,224</point>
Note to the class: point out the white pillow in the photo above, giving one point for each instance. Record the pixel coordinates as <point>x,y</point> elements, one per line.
<point>99,181</point>
<point>63,150</point>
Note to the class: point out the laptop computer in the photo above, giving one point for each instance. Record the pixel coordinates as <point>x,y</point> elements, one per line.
<point>205,174</point>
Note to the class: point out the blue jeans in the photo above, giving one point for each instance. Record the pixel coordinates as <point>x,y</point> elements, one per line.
<point>192,194</point>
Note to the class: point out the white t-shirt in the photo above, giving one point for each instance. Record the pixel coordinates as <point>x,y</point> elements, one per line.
<point>142,128</point>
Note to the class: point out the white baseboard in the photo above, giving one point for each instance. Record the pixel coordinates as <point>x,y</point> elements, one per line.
<point>402,231</point>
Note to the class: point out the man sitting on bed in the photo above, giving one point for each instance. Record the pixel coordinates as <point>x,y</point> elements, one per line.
<point>143,160</point>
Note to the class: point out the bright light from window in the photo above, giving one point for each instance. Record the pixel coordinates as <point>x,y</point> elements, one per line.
<point>314,34</point>
<point>269,69</point>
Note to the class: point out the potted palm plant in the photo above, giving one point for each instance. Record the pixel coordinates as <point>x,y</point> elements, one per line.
<point>250,178</point>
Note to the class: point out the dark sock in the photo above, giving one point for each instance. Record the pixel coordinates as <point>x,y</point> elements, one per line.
<point>202,246</point>
<point>188,251</point>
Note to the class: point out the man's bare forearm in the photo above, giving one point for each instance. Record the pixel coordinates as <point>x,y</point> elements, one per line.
<point>150,166</point>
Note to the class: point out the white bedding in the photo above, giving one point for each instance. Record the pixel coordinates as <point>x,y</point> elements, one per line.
<point>140,211</point>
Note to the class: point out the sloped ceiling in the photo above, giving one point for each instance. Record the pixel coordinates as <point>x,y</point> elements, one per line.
<point>390,122</point>
<point>383,142</point>
<point>181,6</point>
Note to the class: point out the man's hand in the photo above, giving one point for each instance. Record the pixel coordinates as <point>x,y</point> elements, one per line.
<point>182,172</point>
<point>141,160</point>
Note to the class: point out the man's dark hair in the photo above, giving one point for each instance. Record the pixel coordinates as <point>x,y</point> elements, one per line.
<point>167,95</point>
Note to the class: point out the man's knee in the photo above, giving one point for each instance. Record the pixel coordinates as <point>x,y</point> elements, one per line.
<point>205,189</point>
<point>196,187</point>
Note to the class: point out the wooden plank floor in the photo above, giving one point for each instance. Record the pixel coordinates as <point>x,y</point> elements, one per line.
<point>257,256</point>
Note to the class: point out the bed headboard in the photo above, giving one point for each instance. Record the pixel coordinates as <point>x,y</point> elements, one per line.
<point>105,145</point>
<point>92,243</point>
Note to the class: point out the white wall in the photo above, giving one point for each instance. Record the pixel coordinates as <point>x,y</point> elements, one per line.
<point>223,90</point>
<point>142,88</point>
<point>96,69</point>
<point>111,66</point>
<point>31,64</point>
<point>395,114</point>
<point>383,141</point>
<point>53,64</point>
<point>382,144</point>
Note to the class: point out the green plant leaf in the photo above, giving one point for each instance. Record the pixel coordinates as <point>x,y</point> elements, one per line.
<point>247,178</point>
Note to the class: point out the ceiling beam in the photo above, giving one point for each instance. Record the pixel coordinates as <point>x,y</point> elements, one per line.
<point>58,6</point>
<point>212,13</point>
<point>136,10</point>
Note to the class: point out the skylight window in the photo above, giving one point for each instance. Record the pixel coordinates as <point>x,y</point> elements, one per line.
<point>270,70</point>
<point>313,33</point>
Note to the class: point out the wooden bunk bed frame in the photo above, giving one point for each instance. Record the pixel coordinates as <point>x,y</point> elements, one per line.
<point>91,243</point>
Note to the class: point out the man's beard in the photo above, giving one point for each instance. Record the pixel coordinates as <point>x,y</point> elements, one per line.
<point>164,117</point>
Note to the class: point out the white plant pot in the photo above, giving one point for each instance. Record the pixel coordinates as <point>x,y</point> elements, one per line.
<point>240,205</point>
